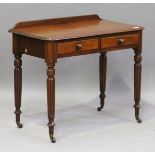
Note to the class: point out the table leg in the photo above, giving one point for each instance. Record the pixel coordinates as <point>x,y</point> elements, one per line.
<point>18,87</point>
<point>51,100</point>
<point>137,82</point>
<point>102,72</point>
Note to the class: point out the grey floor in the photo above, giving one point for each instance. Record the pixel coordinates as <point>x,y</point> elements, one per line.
<point>79,127</point>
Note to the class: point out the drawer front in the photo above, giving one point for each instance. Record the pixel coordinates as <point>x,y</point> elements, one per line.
<point>119,41</point>
<point>31,46</point>
<point>77,46</point>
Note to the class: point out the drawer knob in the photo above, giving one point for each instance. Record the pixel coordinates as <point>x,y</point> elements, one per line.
<point>121,41</point>
<point>78,46</point>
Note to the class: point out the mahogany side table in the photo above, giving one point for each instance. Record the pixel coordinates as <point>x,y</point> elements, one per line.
<point>51,39</point>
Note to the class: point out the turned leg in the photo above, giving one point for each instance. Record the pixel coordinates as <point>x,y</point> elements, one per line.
<point>18,87</point>
<point>102,72</point>
<point>51,100</point>
<point>137,83</point>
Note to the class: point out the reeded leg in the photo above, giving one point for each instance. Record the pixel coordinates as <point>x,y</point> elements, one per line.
<point>102,71</point>
<point>51,100</point>
<point>18,87</point>
<point>137,83</point>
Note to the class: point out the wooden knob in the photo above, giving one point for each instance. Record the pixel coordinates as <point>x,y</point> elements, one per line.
<point>121,41</point>
<point>78,46</point>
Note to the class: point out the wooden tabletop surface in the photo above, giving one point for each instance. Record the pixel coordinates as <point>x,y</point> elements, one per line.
<point>71,27</point>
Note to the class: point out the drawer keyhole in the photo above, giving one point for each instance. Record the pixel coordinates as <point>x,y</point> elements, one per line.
<point>121,41</point>
<point>26,51</point>
<point>78,46</point>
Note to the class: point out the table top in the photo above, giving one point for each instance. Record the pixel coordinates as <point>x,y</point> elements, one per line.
<point>71,27</point>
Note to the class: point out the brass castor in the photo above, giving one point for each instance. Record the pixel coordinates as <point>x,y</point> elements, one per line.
<point>19,125</point>
<point>139,120</point>
<point>99,108</point>
<point>53,140</point>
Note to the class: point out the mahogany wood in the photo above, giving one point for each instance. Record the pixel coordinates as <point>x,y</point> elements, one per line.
<point>51,39</point>
<point>137,78</point>
<point>123,40</point>
<point>72,27</point>
<point>18,87</point>
<point>137,82</point>
<point>50,59</point>
<point>102,71</point>
<point>76,46</point>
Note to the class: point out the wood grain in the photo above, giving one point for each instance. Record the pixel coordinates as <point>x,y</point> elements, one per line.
<point>110,42</point>
<point>77,46</point>
<point>71,27</point>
